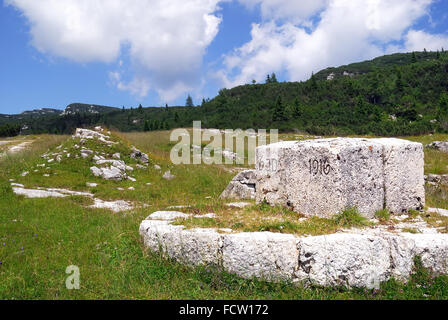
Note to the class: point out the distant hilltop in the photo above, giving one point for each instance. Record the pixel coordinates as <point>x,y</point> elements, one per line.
<point>86,108</point>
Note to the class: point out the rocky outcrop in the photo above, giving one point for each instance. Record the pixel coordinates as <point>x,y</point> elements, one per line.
<point>241,187</point>
<point>323,177</point>
<point>138,155</point>
<point>437,179</point>
<point>439,145</point>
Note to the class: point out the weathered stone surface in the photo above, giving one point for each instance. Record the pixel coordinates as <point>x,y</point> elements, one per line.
<point>323,177</point>
<point>193,247</point>
<point>241,187</point>
<point>404,183</point>
<point>432,249</point>
<point>267,255</point>
<point>347,259</point>
<point>344,259</point>
<point>439,145</point>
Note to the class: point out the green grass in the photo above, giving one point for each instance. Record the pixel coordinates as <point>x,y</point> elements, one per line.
<point>55,233</point>
<point>383,215</point>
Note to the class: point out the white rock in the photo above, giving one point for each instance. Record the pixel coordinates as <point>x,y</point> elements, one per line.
<point>131,188</point>
<point>344,259</point>
<point>323,177</point>
<point>238,204</point>
<point>241,187</point>
<point>167,215</point>
<point>91,184</point>
<point>132,179</point>
<point>157,167</point>
<point>17,185</point>
<point>168,176</point>
<point>24,174</point>
<point>96,171</point>
<point>116,155</point>
<point>404,183</point>
<point>442,212</point>
<point>272,256</point>
<point>33,193</point>
<point>115,206</point>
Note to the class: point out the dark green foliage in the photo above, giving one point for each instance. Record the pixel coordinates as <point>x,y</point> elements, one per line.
<point>400,94</point>
<point>189,102</point>
<point>9,130</point>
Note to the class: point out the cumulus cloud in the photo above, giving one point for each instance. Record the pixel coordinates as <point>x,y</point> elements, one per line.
<point>419,40</point>
<point>345,31</point>
<point>292,10</point>
<point>166,39</point>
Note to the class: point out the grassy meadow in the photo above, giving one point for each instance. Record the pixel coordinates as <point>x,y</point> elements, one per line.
<point>40,238</point>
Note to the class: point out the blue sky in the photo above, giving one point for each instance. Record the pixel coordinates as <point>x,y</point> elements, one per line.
<point>122,53</point>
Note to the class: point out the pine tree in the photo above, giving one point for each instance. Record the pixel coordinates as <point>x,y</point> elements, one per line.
<point>297,112</point>
<point>146,127</point>
<point>268,79</point>
<point>414,58</point>
<point>279,111</point>
<point>442,111</point>
<point>189,102</point>
<point>273,78</point>
<point>176,117</point>
<point>140,108</point>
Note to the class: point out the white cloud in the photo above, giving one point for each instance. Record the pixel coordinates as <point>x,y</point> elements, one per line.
<point>419,40</point>
<point>346,31</point>
<point>296,11</point>
<point>166,38</point>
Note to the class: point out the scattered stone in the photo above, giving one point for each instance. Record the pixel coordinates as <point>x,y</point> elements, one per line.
<point>112,173</point>
<point>439,145</point>
<point>33,193</point>
<point>323,177</point>
<point>50,160</point>
<point>24,174</point>
<point>59,158</point>
<point>116,163</point>
<point>91,184</point>
<point>132,179</point>
<point>442,212</point>
<point>46,175</point>
<point>241,187</point>
<point>115,206</point>
<point>148,183</point>
<point>157,167</point>
<point>139,166</point>
<point>436,179</point>
<point>17,185</point>
<point>138,155</point>
<point>116,155</point>
<point>131,188</point>
<point>168,176</point>
<point>167,215</point>
<point>238,204</point>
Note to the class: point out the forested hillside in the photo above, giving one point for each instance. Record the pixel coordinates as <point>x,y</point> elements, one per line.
<point>400,94</point>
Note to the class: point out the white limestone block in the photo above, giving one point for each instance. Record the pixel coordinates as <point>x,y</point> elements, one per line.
<point>350,260</point>
<point>267,255</point>
<point>323,177</point>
